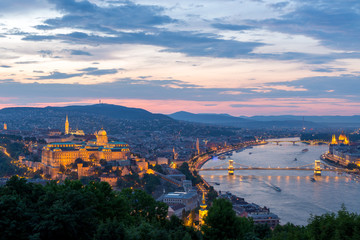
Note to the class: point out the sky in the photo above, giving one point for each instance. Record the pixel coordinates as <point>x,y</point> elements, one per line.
<point>241,57</point>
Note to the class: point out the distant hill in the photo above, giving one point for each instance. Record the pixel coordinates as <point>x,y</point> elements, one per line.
<point>282,121</point>
<point>116,119</point>
<point>113,111</point>
<point>223,119</point>
<point>318,119</point>
<point>107,110</point>
<point>119,119</point>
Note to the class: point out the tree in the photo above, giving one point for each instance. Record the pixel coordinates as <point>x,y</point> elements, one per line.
<point>159,169</point>
<point>262,231</point>
<point>222,222</point>
<point>72,210</point>
<point>111,230</point>
<point>78,160</point>
<point>212,194</point>
<point>289,232</point>
<point>144,206</point>
<point>150,182</point>
<point>103,162</point>
<point>62,168</point>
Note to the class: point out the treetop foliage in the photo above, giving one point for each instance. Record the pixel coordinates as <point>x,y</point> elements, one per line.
<point>75,211</point>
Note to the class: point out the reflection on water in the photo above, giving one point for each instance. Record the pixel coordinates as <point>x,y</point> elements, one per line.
<point>299,196</point>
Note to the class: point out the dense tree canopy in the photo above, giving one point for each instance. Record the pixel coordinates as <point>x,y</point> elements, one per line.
<point>75,211</point>
<point>72,210</point>
<point>222,222</point>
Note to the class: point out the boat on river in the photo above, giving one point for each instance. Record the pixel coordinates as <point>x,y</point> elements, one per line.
<point>312,179</point>
<point>276,188</point>
<point>305,150</point>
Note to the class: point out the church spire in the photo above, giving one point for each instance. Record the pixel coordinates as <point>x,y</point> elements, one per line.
<point>67,127</point>
<point>333,141</point>
<point>203,211</point>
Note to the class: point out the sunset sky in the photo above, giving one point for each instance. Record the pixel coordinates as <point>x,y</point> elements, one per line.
<point>249,57</point>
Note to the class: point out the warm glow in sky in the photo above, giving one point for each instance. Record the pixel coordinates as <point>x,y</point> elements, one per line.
<point>249,57</point>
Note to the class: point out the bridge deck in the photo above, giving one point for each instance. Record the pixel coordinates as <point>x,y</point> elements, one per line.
<point>261,168</point>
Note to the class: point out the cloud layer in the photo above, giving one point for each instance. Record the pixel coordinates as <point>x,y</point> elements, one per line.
<point>240,56</point>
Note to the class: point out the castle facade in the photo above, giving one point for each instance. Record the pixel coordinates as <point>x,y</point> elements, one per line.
<point>56,154</point>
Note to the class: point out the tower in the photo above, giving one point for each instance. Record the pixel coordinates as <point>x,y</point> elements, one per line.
<point>5,126</point>
<point>317,168</point>
<point>203,211</point>
<point>176,155</point>
<point>198,146</point>
<point>67,127</point>
<point>231,167</point>
<point>333,141</point>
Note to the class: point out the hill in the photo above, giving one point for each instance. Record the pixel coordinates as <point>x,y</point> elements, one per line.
<point>281,121</point>
<point>107,110</point>
<point>224,119</point>
<point>242,122</point>
<point>89,118</point>
<point>318,119</point>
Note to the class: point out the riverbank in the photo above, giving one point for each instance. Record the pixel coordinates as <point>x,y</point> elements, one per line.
<point>197,162</point>
<point>202,159</point>
<point>337,162</point>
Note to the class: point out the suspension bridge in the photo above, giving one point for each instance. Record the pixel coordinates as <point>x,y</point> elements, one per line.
<point>311,142</point>
<point>317,167</point>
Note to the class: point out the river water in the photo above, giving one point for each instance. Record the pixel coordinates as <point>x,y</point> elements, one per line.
<point>299,197</point>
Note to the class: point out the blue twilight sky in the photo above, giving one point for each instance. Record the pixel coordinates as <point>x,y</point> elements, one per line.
<point>242,57</point>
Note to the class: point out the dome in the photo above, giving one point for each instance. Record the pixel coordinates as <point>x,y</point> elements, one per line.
<point>342,137</point>
<point>102,132</point>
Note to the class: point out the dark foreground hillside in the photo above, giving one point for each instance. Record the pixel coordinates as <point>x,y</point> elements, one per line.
<point>74,211</point>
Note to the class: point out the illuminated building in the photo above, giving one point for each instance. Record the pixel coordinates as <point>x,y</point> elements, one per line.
<point>65,153</point>
<point>67,126</point>
<point>198,146</point>
<point>343,139</point>
<point>71,131</point>
<point>56,154</point>
<point>342,152</point>
<point>5,126</point>
<point>189,199</point>
<point>333,141</point>
<point>203,211</point>
<point>268,218</point>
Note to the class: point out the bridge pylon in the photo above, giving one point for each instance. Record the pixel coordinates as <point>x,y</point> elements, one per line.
<point>317,169</point>
<point>231,167</point>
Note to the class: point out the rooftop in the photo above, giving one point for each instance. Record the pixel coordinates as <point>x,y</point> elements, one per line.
<point>180,195</point>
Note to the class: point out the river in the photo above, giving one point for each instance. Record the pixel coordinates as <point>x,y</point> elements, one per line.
<point>299,197</point>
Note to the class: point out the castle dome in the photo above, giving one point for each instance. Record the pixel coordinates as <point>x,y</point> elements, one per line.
<point>102,132</point>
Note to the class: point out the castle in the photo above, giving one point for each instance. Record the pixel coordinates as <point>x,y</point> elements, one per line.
<point>64,153</point>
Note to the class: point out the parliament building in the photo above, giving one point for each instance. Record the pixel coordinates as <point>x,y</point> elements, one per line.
<point>56,154</point>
